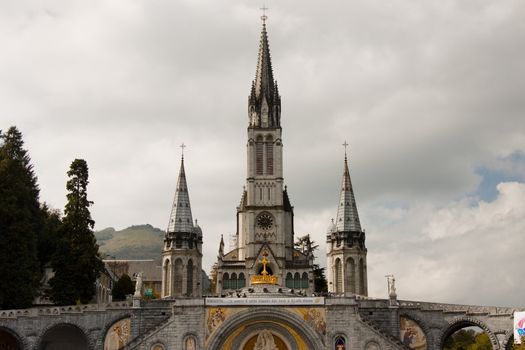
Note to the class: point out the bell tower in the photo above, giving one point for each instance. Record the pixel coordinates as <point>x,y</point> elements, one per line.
<point>182,253</point>
<point>264,251</point>
<point>346,257</point>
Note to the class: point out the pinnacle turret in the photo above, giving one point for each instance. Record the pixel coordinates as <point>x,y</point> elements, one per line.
<point>264,103</point>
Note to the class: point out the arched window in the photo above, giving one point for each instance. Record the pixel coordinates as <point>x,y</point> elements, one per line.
<point>350,274</point>
<point>304,281</point>
<point>233,281</point>
<point>167,278</point>
<point>226,281</point>
<point>340,343</point>
<point>178,277</point>
<point>189,278</point>
<point>338,276</point>
<point>289,280</point>
<point>361,277</point>
<point>241,283</point>
<point>259,156</point>
<point>269,155</point>
<point>297,281</point>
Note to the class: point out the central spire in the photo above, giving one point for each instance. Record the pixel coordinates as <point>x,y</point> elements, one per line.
<point>264,104</point>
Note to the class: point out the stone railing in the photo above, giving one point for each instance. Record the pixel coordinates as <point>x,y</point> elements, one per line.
<point>453,308</point>
<point>70,309</point>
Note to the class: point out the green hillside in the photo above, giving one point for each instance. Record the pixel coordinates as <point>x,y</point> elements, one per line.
<point>134,242</point>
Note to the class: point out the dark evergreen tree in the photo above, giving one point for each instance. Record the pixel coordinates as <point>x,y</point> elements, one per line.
<point>20,223</point>
<point>76,262</point>
<point>320,282</point>
<point>48,238</point>
<point>124,286</point>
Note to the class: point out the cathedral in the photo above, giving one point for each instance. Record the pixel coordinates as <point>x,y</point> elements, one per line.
<point>263,297</point>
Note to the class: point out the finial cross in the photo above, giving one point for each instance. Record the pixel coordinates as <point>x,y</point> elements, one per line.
<point>183,146</point>
<point>345,146</point>
<point>264,17</point>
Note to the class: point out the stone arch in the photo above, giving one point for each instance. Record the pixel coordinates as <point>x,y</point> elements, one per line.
<point>70,329</point>
<point>350,275</point>
<point>424,327</point>
<point>339,339</point>
<point>297,280</point>
<point>189,277</point>
<point>361,277</point>
<point>9,337</point>
<point>338,280</point>
<point>463,322</point>
<point>178,271</point>
<point>167,277</point>
<point>188,336</point>
<point>304,281</point>
<point>289,280</point>
<point>265,314</point>
<point>226,281</point>
<point>508,341</point>
<point>372,344</point>
<point>109,324</point>
<point>157,345</point>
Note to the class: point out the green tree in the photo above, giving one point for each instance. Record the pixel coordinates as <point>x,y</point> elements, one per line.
<point>124,286</point>
<point>76,261</point>
<point>20,223</point>
<point>307,246</point>
<point>49,235</point>
<point>320,282</point>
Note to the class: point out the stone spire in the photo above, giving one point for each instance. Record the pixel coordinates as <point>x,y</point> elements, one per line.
<point>264,103</point>
<point>180,218</point>
<point>347,216</point>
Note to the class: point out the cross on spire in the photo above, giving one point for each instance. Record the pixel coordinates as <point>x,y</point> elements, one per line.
<point>264,17</point>
<point>345,146</point>
<point>183,146</point>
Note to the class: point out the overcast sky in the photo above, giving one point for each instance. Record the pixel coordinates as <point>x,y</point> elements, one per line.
<point>430,95</point>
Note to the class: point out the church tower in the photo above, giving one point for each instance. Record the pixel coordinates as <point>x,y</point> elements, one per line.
<point>182,253</point>
<point>346,257</point>
<point>265,233</point>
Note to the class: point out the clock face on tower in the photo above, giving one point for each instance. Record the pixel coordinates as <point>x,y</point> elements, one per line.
<point>264,221</point>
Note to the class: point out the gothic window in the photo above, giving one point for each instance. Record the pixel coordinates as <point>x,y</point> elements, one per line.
<point>340,343</point>
<point>178,243</point>
<point>361,277</point>
<point>233,281</point>
<point>297,281</point>
<point>269,155</point>
<point>338,276</point>
<point>304,281</point>
<point>226,281</point>
<point>241,283</point>
<point>269,194</point>
<point>189,278</point>
<point>190,344</point>
<point>289,280</point>
<point>259,156</point>
<point>167,277</point>
<point>178,277</point>
<point>350,273</point>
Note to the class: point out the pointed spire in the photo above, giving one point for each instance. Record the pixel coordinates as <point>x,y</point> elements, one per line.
<point>180,218</point>
<point>347,216</point>
<point>264,101</point>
